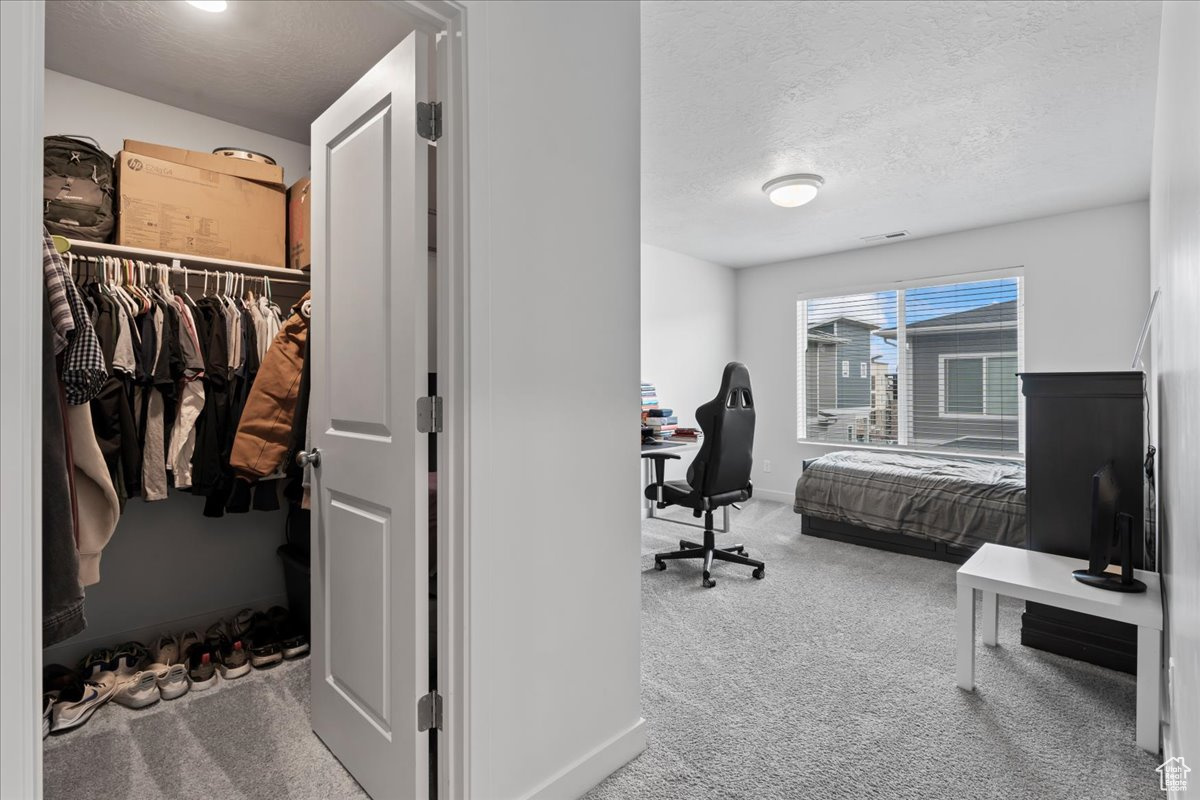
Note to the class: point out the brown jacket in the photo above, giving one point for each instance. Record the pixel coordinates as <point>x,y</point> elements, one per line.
<point>265,431</point>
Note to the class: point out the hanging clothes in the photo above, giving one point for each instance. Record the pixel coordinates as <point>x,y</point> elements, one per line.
<point>264,436</point>
<point>62,592</point>
<point>83,370</point>
<point>96,498</point>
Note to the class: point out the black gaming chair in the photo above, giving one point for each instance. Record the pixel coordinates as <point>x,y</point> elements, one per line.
<point>719,475</point>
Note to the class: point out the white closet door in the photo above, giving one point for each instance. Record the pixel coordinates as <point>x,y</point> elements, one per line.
<point>370,585</point>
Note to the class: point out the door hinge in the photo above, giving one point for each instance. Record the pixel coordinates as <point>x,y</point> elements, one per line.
<point>429,121</point>
<point>429,712</point>
<point>429,414</point>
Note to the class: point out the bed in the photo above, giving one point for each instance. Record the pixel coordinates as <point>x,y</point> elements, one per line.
<point>942,507</point>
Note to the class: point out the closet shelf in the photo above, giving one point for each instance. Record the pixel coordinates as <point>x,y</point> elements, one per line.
<point>185,260</point>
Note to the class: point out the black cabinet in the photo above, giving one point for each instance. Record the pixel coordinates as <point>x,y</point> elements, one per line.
<point>1075,423</point>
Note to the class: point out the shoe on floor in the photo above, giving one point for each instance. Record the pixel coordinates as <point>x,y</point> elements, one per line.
<point>293,638</point>
<point>137,690</point>
<point>202,666</point>
<point>166,650</point>
<point>241,624</point>
<point>48,700</point>
<point>233,660</point>
<point>99,660</point>
<point>129,658</point>
<point>262,639</point>
<point>186,641</point>
<point>172,679</point>
<point>76,704</point>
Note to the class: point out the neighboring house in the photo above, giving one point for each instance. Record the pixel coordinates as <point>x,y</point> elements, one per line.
<point>963,368</point>
<point>842,365</point>
<point>841,383</point>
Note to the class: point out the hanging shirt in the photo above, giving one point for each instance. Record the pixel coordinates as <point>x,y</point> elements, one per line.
<point>83,368</point>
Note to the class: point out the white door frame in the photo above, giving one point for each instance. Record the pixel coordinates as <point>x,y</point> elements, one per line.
<point>22,70</point>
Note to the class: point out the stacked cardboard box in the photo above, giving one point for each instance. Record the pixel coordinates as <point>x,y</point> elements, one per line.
<point>184,201</point>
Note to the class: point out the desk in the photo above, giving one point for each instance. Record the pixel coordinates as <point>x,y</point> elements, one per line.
<point>680,449</point>
<point>1044,578</point>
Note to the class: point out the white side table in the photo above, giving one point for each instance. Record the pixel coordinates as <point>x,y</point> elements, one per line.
<point>1043,578</point>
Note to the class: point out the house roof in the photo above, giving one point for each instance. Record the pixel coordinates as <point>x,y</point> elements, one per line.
<point>994,315</point>
<point>851,320</point>
<point>821,337</point>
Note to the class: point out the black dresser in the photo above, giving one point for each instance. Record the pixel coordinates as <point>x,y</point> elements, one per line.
<point>1075,423</point>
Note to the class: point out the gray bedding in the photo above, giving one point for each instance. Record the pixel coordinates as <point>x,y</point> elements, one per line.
<point>964,501</point>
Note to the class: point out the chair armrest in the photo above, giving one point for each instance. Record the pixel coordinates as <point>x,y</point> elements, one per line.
<point>660,459</point>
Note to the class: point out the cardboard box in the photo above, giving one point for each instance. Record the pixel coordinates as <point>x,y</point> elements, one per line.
<point>237,167</point>
<point>299,224</point>
<point>170,206</point>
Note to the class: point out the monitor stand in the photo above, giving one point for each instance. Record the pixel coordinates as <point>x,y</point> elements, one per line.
<point>1125,582</point>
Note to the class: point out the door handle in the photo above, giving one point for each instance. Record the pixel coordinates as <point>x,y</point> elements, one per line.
<point>306,458</point>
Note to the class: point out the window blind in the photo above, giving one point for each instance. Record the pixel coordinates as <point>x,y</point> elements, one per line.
<point>928,367</point>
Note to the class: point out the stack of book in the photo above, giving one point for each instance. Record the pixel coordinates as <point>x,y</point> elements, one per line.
<point>658,423</point>
<point>688,434</point>
<point>663,422</point>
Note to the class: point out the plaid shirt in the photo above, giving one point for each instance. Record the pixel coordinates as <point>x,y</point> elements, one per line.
<point>83,369</point>
<point>56,279</point>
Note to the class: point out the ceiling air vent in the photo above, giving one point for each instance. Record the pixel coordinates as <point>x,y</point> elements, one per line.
<point>886,237</point>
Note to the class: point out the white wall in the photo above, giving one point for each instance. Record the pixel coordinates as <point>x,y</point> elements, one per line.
<point>689,328</point>
<point>554,554</point>
<point>75,106</point>
<point>166,561</point>
<point>1086,277</point>
<point>1175,256</point>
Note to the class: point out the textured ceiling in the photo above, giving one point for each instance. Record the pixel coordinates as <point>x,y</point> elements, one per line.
<point>926,116</point>
<point>270,66</point>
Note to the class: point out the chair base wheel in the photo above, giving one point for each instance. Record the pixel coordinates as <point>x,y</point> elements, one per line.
<point>660,565</point>
<point>708,582</point>
<point>760,573</point>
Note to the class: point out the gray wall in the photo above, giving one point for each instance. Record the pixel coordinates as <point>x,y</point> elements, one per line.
<point>1175,376</point>
<point>926,350</point>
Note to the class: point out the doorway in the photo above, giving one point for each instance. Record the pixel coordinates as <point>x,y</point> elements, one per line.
<point>442,25</point>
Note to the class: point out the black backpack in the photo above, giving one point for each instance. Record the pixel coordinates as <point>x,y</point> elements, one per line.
<point>77,187</point>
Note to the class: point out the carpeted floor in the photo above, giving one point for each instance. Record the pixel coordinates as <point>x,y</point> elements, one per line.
<point>247,739</point>
<point>832,678</point>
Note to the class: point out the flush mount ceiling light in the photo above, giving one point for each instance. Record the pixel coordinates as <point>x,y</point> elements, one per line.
<point>793,190</point>
<point>212,6</point>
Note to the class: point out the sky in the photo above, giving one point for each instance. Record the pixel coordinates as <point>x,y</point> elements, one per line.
<point>879,308</point>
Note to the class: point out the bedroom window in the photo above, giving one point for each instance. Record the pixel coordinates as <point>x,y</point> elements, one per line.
<point>938,364</point>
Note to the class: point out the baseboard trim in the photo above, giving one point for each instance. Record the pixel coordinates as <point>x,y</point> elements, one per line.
<point>70,651</point>
<point>580,776</point>
<point>778,497</point>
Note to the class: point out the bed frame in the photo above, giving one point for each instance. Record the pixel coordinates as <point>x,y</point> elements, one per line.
<point>895,541</point>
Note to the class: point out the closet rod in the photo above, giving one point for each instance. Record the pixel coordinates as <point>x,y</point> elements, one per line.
<point>81,247</point>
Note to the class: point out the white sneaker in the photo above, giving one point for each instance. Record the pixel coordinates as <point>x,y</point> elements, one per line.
<point>172,679</point>
<point>75,707</point>
<point>138,690</point>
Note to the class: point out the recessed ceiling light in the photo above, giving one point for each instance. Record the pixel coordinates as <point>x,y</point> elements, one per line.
<point>212,6</point>
<point>793,190</point>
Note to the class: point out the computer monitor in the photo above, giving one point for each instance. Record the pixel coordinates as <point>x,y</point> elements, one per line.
<point>1110,528</point>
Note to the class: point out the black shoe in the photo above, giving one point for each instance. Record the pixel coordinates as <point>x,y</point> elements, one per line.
<point>293,638</point>
<point>262,640</point>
